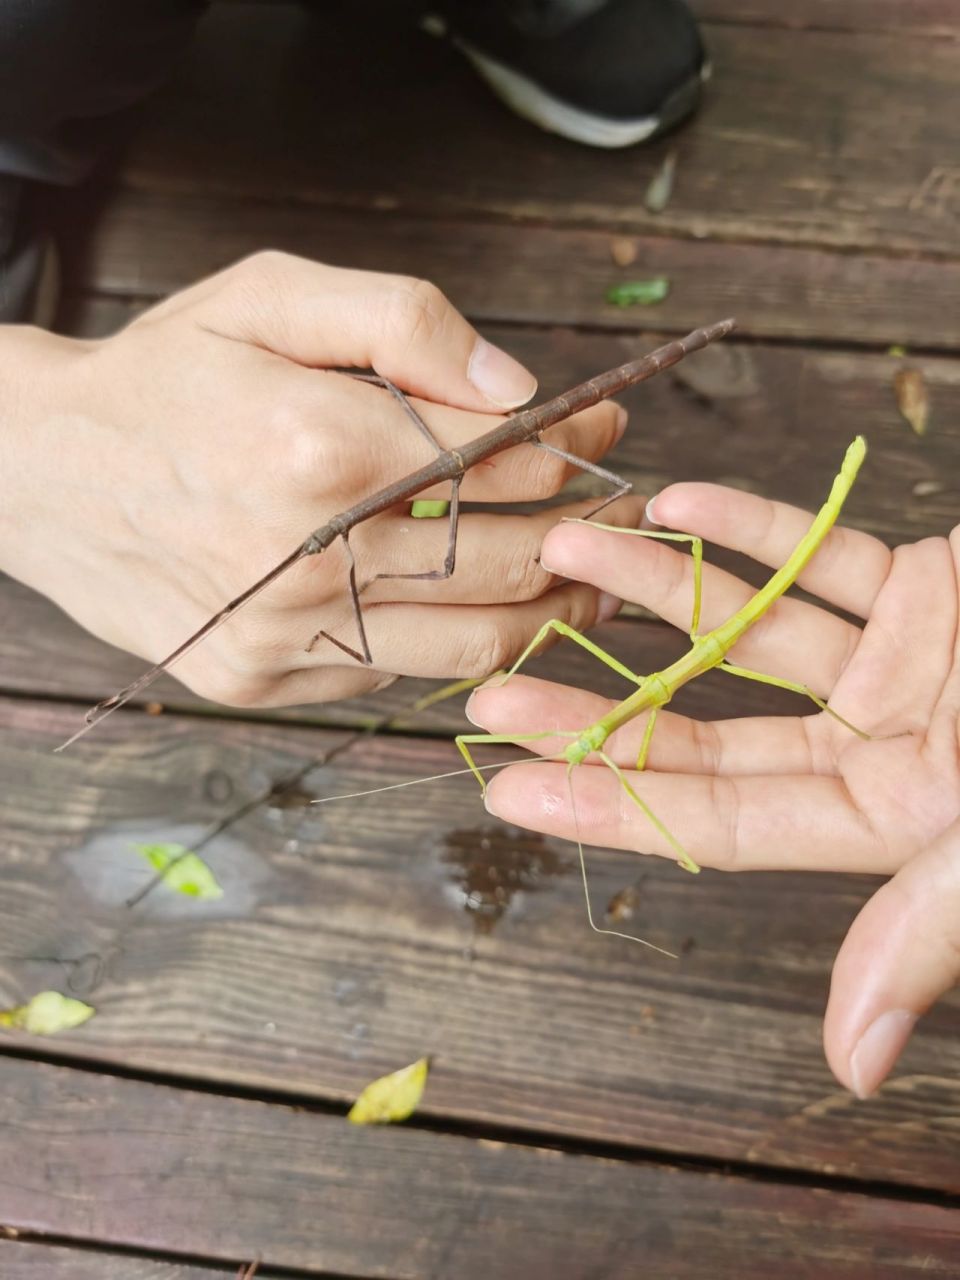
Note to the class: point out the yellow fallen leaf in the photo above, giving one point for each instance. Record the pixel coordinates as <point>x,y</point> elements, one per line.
<point>181,870</point>
<point>46,1014</point>
<point>913,400</point>
<point>393,1097</point>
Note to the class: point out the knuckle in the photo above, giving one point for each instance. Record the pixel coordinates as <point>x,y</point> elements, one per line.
<point>259,288</point>
<point>414,310</point>
<point>522,576</point>
<point>265,264</point>
<point>487,650</point>
<point>724,805</point>
<point>548,473</point>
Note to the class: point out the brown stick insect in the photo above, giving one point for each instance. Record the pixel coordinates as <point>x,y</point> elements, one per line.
<point>524,427</point>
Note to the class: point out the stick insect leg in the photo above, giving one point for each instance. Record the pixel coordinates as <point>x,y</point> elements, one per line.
<point>466,740</point>
<point>564,629</point>
<point>696,550</point>
<point>364,656</point>
<point>431,575</point>
<point>647,736</point>
<point>794,688</point>
<point>620,486</point>
<point>683,857</point>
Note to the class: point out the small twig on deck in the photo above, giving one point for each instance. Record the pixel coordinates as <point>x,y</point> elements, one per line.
<point>450,464</point>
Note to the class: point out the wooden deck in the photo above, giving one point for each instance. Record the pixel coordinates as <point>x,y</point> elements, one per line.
<point>594,1110</point>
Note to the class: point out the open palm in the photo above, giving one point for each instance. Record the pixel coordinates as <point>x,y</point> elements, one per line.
<point>783,792</point>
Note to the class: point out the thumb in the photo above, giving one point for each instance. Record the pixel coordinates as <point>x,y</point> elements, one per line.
<point>901,954</point>
<point>403,328</point>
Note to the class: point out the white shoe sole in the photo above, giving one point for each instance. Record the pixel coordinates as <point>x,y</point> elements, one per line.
<point>535,104</point>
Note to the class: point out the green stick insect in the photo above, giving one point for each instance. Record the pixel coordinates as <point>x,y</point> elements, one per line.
<point>706,653</point>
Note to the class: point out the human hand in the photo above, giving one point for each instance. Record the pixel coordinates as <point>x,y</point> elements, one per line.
<point>785,793</point>
<point>151,477</point>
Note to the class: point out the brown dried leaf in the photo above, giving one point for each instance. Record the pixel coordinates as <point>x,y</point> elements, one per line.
<point>913,399</point>
<point>623,904</point>
<point>623,251</point>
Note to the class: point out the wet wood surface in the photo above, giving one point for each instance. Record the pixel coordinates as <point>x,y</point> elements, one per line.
<point>355,937</point>
<point>594,1109</point>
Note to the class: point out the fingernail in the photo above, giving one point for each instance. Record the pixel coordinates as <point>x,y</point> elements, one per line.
<point>878,1049</point>
<point>650,512</point>
<point>467,712</point>
<point>621,423</point>
<point>503,380</point>
<point>608,606</point>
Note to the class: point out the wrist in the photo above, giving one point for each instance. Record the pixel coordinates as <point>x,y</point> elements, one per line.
<point>35,376</point>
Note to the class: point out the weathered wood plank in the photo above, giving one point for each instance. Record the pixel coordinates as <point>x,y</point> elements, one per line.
<point>915,17</point>
<point>843,139</point>
<point>19,1261</point>
<point>150,244</point>
<point>132,1163</point>
<point>354,938</point>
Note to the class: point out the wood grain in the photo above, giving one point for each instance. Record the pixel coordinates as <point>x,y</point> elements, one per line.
<point>805,136</point>
<point>931,18</point>
<point>148,244</point>
<point>21,1261</point>
<point>228,1178</point>
<point>357,937</point>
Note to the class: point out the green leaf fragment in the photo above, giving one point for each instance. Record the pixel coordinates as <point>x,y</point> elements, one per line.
<point>897,351</point>
<point>393,1097</point>
<point>182,870</point>
<point>639,293</point>
<point>428,509</point>
<point>46,1014</point>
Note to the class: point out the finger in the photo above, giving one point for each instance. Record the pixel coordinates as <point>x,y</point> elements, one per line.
<point>497,556</point>
<point>733,824</point>
<point>403,328</point>
<point>359,435</point>
<point>848,570</point>
<point>761,744</point>
<point>902,953</point>
<point>456,641</point>
<point>793,640</point>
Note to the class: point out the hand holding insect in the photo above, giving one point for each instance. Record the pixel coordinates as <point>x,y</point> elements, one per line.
<point>148,477</point>
<point>778,792</point>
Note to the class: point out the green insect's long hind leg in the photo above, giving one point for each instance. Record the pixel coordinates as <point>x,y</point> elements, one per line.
<point>696,551</point>
<point>683,857</point>
<point>790,685</point>
<point>463,740</point>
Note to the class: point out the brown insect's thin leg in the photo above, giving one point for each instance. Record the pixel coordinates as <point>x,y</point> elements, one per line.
<point>365,657</point>
<point>430,575</point>
<point>620,486</point>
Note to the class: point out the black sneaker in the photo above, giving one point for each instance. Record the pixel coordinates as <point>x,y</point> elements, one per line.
<point>29,269</point>
<point>608,73</point>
